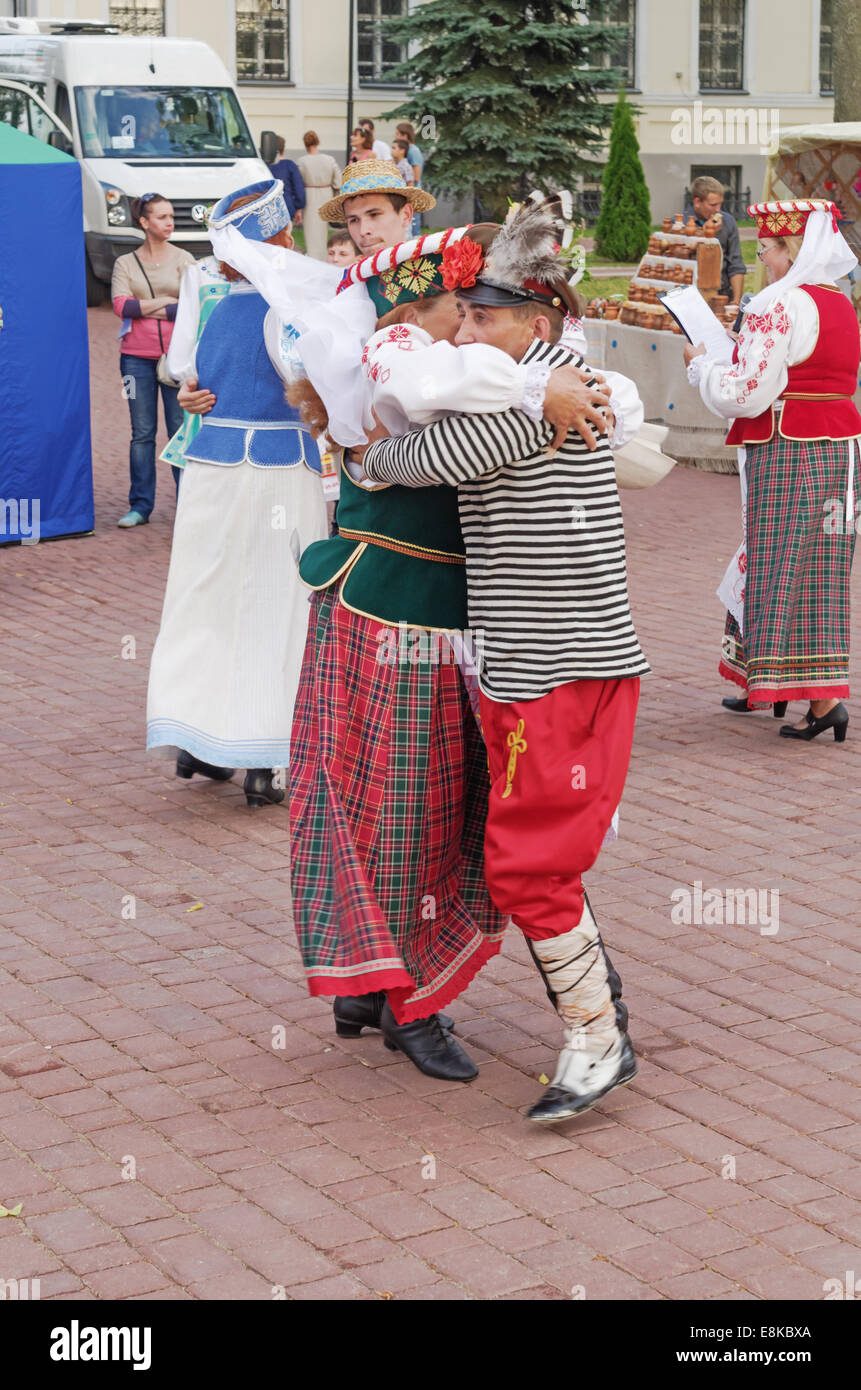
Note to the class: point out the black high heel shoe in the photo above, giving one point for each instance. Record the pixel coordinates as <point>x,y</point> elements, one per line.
<point>742,707</point>
<point>353,1012</point>
<point>428,1046</point>
<point>187,765</point>
<point>258,787</point>
<point>836,719</point>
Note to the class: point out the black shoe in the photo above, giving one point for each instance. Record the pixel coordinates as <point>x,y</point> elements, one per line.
<point>563,1102</point>
<point>187,765</point>
<point>742,707</point>
<point>353,1012</point>
<point>258,787</point>
<point>836,719</point>
<point>428,1046</point>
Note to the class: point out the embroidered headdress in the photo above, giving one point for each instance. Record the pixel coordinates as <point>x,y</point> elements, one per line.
<point>825,255</point>
<point>258,220</point>
<point>421,267</point>
<point>790,218</point>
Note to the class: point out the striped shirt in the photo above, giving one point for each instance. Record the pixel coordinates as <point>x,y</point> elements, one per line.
<point>545,543</point>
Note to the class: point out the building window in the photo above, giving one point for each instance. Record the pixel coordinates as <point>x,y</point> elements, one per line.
<point>826,50</point>
<point>721,45</point>
<point>735,199</point>
<point>621,15</point>
<point>138,16</point>
<point>377,53</point>
<point>262,41</point>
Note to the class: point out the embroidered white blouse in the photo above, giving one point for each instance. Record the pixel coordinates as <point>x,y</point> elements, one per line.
<point>417,381</point>
<point>768,345</point>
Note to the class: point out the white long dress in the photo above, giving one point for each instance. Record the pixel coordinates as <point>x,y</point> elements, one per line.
<point>226,663</point>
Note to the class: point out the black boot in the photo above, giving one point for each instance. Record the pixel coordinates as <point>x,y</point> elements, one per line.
<point>428,1046</point>
<point>187,765</point>
<point>258,787</point>
<point>353,1012</point>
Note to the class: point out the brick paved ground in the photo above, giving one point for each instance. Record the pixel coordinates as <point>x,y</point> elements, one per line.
<point>149,1038</point>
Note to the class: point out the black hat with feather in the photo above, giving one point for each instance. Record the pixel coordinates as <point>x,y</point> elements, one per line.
<point>523,264</point>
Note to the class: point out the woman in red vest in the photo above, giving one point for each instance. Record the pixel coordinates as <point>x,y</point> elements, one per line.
<point>789,392</point>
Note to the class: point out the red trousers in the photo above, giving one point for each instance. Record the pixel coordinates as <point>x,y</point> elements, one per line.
<point>557,768</point>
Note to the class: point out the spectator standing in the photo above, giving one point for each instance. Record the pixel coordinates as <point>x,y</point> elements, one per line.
<point>294,189</point>
<point>400,149</point>
<point>361,144</point>
<point>145,292</point>
<point>322,179</point>
<point>707,200</point>
<point>407,132</point>
<point>379,147</point>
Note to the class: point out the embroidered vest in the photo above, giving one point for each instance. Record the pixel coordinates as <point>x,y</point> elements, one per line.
<point>251,421</point>
<point>399,555</point>
<point>818,397</point>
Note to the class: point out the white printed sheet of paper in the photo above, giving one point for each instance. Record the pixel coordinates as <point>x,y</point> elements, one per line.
<point>698,323</point>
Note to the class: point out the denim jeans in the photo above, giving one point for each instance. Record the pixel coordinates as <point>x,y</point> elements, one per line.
<point>142,391</point>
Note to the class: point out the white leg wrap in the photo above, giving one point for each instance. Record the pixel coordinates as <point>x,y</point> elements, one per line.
<point>575,969</point>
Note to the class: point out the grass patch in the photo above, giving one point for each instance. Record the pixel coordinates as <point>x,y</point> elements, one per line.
<point>604,288</point>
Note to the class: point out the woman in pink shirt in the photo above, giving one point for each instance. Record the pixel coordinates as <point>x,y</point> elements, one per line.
<point>145,291</point>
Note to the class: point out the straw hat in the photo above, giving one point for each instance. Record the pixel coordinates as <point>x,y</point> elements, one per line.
<point>374,176</point>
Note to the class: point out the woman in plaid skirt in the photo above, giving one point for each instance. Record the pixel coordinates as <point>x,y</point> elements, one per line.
<point>389,774</point>
<point>790,392</point>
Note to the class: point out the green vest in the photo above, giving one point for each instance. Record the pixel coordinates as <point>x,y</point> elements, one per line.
<point>399,555</point>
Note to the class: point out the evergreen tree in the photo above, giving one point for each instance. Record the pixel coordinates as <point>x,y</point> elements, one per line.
<point>624,226</point>
<point>506,94</point>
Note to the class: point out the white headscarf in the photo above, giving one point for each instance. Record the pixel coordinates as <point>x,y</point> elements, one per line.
<point>825,255</point>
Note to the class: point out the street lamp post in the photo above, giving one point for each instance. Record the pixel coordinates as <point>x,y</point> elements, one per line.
<point>350,62</point>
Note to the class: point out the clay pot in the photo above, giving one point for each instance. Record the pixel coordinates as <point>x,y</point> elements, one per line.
<point>667,223</point>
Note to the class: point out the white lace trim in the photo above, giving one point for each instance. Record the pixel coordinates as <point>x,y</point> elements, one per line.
<point>537,377</point>
<point>695,369</point>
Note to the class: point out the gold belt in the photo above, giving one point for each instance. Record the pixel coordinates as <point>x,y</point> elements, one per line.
<point>813,396</point>
<point>417,552</point>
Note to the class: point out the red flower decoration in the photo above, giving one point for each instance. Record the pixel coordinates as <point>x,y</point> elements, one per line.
<point>462,263</point>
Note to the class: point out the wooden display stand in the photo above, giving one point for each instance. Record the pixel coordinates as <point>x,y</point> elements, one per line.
<point>674,258</point>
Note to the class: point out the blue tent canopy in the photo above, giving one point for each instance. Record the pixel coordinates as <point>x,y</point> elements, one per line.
<point>46,479</point>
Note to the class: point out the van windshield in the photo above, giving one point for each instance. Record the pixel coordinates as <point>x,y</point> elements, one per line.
<point>162,123</point>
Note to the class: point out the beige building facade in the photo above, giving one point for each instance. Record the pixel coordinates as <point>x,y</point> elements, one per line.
<point>713,79</point>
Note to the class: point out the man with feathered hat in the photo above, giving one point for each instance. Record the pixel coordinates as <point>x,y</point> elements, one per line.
<point>559,683</point>
<point>388,790</point>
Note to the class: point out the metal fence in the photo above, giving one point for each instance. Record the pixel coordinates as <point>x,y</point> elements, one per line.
<point>736,203</point>
<point>588,203</point>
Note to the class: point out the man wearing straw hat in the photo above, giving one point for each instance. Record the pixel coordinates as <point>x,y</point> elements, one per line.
<point>381,205</point>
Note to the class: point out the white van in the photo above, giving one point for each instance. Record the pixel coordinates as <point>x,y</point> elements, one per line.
<point>142,115</point>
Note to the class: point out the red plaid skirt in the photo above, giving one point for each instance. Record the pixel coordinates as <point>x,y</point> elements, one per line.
<point>799,561</point>
<point>388,801</point>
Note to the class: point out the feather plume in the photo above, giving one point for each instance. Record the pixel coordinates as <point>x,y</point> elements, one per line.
<point>526,247</point>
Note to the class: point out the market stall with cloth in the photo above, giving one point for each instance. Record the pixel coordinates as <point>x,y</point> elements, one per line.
<point>46,481</point>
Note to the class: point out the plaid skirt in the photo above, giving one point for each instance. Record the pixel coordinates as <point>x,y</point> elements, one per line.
<point>388,801</point>
<point>799,561</point>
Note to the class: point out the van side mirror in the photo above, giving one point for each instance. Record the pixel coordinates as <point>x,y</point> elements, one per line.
<point>59,141</point>
<point>268,146</point>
